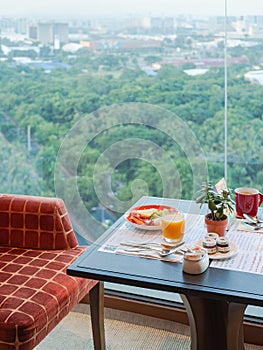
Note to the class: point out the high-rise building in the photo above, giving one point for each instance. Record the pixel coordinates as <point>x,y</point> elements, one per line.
<point>32,32</point>
<point>60,31</point>
<point>162,25</point>
<point>6,24</point>
<point>21,25</point>
<point>46,33</point>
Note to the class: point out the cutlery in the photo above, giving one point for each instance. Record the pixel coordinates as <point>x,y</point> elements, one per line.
<point>162,250</point>
<point>252,219</point>
<point>150,244</point>
<point>136,248</point>
<point>134,243</point>
<point>253,226</point>
<point>144,246</point>
<point>141,250</point>
<point>163,253</point>
<point>175,249</point>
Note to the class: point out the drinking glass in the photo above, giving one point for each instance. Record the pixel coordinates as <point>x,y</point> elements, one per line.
<point>173,226</point>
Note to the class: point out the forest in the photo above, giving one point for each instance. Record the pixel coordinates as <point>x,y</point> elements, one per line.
<point>38,111</point>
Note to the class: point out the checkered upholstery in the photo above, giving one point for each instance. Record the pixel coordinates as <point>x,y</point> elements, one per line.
<point>35,222</point>
<point>35,291</point>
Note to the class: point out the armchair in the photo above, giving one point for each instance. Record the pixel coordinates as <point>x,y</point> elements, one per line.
<point>37,244</point>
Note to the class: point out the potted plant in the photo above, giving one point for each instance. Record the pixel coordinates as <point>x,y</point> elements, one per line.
<point>219,204</point>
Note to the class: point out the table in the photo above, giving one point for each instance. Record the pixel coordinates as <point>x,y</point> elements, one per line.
<point>215,300</point>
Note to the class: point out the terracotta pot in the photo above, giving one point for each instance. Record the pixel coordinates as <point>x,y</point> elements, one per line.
<point>218,227</point>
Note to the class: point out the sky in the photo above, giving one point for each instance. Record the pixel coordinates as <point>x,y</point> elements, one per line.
<point>87,8</point>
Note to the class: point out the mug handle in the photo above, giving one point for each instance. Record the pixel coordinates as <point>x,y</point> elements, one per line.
<point>260,198</point>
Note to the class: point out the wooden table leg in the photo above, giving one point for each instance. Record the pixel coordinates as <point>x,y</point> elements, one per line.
<point>215,324</point>
<point>96,296</point>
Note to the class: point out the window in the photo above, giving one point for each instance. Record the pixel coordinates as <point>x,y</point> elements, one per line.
<point>114,93</point>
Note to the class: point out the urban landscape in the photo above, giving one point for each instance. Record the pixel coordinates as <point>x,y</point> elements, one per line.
<point>182,40</point>
<point>54,72</point>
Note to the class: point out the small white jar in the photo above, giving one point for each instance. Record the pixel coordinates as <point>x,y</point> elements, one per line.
<point>195,261</point>
<point>212,235</point>
<point>210,245</point>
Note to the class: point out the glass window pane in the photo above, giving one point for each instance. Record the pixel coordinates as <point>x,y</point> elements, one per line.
<point>244,94</point>
<point>103,102</point>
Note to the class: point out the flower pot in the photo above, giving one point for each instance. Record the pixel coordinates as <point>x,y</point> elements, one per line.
<point>217,226</point>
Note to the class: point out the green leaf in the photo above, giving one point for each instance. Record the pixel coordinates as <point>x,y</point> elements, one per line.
<point>211,205</point>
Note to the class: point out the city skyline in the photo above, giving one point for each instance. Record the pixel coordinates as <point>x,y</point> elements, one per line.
<point>86,8</point>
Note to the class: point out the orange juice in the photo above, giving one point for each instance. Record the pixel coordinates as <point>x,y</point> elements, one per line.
<point>173,227</point>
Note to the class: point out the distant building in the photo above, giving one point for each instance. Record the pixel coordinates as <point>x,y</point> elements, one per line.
<point>255,31</point>
<point>195,71</point>
<point>124,45</point>
<point>162,25</point>
<point>19,50</point>
<point>205,62</point>
<point>78,25</point>
<point>254,20</point>
<point>21,25</point>
<point>56,42</point>
<point>255,76</point>
<point>16,25</point>
<point>6,24</point>
<point>32,32</point>
<point>156,24</point>
<point>168,25</point>
<point>60,30</point>
<point>72,47</point>
<point>47,33</point>
<point>241,26</point>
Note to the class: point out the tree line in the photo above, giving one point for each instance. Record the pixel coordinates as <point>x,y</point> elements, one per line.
<point>52,103</point>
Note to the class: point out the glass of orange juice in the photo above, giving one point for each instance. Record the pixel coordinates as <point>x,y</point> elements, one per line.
<point>173,227</point>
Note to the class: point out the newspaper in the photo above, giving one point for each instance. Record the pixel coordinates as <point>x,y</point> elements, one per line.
<point>250,252</point>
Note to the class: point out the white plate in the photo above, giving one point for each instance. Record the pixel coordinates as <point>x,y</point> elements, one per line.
<point>156,227</point>
<point>220,256</point>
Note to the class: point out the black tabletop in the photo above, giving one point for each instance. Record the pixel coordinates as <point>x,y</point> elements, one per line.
<point>235,286</point>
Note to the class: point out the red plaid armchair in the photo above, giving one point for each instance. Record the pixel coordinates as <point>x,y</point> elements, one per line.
<point>37,244</point>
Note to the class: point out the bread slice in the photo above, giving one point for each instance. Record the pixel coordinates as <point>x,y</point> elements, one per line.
<point>145,213</point>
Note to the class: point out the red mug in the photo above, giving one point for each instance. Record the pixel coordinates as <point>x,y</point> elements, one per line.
<point>248,200</point>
